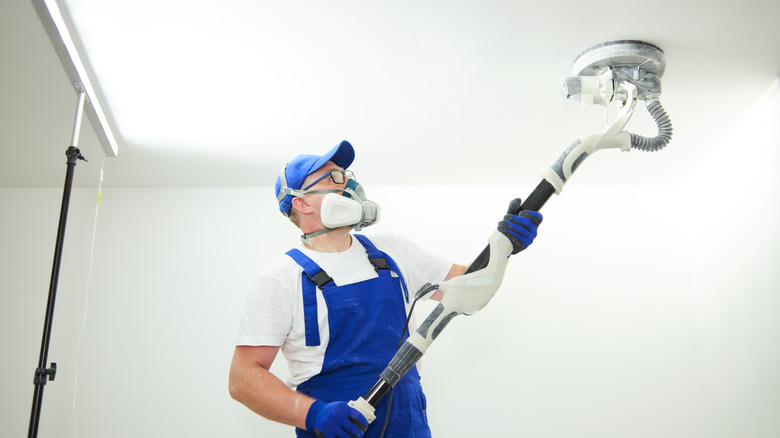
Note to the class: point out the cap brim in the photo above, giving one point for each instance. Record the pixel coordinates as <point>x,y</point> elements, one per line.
<point>342,155</point>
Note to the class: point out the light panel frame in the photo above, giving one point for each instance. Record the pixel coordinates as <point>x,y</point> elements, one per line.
<point>57,24</point>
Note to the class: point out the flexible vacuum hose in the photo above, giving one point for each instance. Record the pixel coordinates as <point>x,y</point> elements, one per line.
<point>664,129</point>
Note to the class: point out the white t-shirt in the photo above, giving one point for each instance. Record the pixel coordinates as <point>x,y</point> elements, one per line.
<point>273,314</point>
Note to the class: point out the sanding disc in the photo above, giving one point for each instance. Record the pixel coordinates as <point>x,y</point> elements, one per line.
<point>620,54</point>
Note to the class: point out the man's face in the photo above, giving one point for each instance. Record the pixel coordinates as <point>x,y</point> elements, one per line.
<point>326,183</point>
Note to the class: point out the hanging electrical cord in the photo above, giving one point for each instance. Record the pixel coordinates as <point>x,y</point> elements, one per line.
<point>86,295</point>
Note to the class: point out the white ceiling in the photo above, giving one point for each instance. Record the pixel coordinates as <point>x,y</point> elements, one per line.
<point>222,93</point>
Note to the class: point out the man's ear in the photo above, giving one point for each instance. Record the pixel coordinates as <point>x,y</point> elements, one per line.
<point>300,204</point>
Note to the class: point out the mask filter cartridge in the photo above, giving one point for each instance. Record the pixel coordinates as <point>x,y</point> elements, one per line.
<point>371,213</point>
<point>339,211</point>
<point>352,208</point>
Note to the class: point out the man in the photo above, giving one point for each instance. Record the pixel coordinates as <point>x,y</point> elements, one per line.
<point>337,306</point>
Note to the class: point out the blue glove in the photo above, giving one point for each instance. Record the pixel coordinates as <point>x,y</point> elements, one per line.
<point>335,420</point>
<point>520,229</point>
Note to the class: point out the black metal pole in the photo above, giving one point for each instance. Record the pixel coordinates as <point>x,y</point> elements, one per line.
<point>42,373</point>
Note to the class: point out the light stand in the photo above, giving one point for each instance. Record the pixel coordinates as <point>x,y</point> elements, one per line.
<point>42,373</point>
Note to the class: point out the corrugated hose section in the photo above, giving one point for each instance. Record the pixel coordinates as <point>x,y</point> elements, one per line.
<point>664,129</point>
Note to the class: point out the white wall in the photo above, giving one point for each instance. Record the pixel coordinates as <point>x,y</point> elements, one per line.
<point>735,246</point>
<point>640,311</point>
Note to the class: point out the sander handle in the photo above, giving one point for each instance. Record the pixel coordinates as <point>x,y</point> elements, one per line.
<point>533,202</point>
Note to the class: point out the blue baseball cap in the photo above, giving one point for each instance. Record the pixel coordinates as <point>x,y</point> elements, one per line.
<point>291,177</point>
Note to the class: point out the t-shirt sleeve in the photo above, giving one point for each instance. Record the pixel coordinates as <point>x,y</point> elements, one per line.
<point>268,311</point>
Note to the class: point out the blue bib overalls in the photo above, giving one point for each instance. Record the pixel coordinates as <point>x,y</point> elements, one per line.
<point>365,320</point>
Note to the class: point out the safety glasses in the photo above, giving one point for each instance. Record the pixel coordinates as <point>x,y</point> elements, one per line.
<point>337,176</point>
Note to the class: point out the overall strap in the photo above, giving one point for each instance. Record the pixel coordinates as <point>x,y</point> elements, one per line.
<point>382,262</point>
<point>313,276</point>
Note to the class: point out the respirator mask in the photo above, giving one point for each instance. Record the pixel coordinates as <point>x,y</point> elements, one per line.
<point>350,208</point>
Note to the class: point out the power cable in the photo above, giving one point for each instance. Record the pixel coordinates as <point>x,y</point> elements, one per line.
<point>86,295</point>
